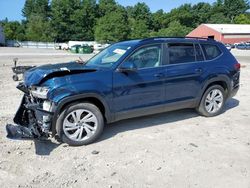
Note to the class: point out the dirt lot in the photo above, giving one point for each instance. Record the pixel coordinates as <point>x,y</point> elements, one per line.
<point>176,149</point>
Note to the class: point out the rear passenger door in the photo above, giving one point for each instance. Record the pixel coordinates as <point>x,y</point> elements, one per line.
<point>183,71</point>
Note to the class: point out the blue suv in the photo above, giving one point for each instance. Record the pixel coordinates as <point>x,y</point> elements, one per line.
<point>128,79</point>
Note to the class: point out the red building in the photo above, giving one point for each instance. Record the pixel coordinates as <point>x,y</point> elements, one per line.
<point>226,33</point>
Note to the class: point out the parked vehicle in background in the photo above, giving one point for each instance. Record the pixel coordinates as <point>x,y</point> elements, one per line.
<point>128,79</point>
<point>241,46</point>
<point>228,46</point>
<point>247,44</point>
<point>64,46</point>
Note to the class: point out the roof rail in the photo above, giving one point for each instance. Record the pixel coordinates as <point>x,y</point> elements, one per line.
<point>158,38</point>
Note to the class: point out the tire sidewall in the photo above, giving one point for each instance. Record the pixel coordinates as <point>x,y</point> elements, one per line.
<point>202,110</point>
<point>88,106</point>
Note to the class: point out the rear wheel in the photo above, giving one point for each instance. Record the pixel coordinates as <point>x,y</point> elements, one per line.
<point>212,102</point>
<point>80,124</point>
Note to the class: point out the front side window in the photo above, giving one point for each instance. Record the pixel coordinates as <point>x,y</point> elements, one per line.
<point>211,51</point>
<point>181,53</point>
<point>146,57</point>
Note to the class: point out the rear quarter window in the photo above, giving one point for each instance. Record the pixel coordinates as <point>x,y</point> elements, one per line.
<point>211,51</point>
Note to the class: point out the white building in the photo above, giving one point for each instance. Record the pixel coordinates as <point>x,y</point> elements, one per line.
<point>2,38</point>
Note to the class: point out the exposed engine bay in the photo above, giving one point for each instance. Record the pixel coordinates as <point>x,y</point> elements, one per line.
<point>32,119</point>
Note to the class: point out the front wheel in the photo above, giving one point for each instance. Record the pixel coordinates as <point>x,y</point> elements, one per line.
<point>80,124</point>
<point>212,102</point>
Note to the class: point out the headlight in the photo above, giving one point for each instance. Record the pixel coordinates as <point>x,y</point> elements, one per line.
<point>47,105</point>
<point>39,92</point>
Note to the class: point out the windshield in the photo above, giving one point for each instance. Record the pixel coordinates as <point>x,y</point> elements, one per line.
<point>108,56</point>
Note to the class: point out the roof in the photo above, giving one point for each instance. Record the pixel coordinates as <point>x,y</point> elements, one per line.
<point>230,28</point>
<point>129,42</point>
<point>153,40</point>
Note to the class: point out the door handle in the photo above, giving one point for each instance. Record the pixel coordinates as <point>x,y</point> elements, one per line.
<point>198,70</point>
<point>159,75</point>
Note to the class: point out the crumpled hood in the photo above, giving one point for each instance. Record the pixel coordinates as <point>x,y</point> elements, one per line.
<point>36,75</point>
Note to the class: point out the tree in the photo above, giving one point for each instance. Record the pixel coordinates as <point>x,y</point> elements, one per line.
<point>242,19</point>
<point>13,30</point>
<point>63,19</point>
<point>235,7</point>
<point>219,18</point>
<point>160,20</point>
<point>28,8</point>
<point>202,13</point>
<point>85,20</point>
<point>37,23</point>
<point>106,20</point>
<point>139,29</point>
<point>106,7</point>
<point>112,27</point>
<point>38,29</point>
<point>183,15</point>
<point>228,10</point>
<point>37,7</point>
<point>141,12</point>
<point>175,29</point>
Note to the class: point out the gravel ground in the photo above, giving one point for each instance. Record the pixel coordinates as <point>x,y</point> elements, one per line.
<point>175,149</point>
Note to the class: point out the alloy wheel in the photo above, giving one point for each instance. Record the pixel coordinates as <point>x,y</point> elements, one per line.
<point>80,125</point>
<point>214,101</point>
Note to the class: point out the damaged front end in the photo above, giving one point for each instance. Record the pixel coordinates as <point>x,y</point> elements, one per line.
<point>34,115</point>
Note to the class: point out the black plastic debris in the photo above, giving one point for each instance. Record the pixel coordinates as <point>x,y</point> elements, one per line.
<point>17,131</point>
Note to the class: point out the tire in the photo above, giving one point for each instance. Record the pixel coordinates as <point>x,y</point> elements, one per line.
<point>207,100</point>
<point>80,124</point>
<point>15,78</point>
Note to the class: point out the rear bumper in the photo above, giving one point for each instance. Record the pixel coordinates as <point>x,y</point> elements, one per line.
<point>235,85</point>
<point>234,91</point>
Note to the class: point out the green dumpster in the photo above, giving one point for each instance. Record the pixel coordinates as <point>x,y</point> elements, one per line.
<point>75,49</point>
<point>85,50</point>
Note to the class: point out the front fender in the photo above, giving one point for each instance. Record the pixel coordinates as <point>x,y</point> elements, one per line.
<point>70,99</point>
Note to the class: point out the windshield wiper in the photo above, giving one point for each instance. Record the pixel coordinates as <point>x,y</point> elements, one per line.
<point>81,61</point>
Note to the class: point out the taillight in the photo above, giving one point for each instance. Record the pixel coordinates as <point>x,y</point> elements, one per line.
<point>237,66</point>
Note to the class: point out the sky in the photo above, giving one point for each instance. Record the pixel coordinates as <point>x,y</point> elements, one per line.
<point>12,9</point>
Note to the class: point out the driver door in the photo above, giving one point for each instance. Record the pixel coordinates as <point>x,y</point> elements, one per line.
<point>143,88</point>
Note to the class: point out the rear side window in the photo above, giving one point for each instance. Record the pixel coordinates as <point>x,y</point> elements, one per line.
<point>211,51</point>
<point>181,53</point>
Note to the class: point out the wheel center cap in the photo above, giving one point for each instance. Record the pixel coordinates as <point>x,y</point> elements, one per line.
<point>80,124</point>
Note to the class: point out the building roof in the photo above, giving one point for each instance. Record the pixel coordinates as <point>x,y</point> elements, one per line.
<point>230,28</point>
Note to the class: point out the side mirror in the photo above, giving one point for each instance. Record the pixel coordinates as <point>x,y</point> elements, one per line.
<point>128,66</point>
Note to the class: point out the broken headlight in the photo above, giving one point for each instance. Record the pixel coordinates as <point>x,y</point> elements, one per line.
<point>39,92</point>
